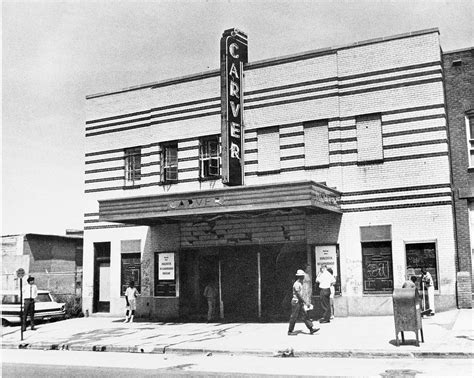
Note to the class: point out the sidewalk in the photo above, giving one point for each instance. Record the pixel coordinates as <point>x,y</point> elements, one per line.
<point>448,334</point>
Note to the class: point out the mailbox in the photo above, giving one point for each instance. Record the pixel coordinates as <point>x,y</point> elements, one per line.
<point>407,313</point>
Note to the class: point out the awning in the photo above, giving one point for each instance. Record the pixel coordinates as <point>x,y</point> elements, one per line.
<point>307,196</point>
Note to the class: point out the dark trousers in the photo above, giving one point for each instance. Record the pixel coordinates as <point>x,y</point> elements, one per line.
<point>29,309</point>
<point>325,303</point>
<point>297,310</point>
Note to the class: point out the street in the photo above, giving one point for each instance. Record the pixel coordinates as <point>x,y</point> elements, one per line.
<point>34,363</point>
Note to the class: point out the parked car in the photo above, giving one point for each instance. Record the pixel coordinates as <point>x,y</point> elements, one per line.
<point>46,308</point>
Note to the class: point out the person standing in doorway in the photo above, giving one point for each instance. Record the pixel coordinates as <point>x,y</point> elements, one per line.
<point>131,295</point>
<point>297,306</point>
<point>428,282</point>
<point>325,280</point>
<point>211,294</point>
<point>30,292</point>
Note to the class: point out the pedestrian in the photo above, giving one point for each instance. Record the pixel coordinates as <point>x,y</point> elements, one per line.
<point>30,292</point>
<point>211,294</point>
<point>297,306</point>
<point>332,288</point>
<point>410,284</point>
<point>427,280</point>
<point>325,280</point>
<point>131,295</point>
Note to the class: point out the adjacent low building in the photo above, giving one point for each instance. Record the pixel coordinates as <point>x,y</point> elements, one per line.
<point>54,260</point>
<point>336,156</point>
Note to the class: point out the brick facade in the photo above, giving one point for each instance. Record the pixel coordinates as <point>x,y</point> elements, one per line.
<point>459,83</point>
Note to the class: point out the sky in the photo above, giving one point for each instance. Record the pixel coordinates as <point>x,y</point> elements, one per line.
<point>54,53</point>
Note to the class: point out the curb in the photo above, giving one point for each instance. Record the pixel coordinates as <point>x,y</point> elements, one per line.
<point>243,352</point>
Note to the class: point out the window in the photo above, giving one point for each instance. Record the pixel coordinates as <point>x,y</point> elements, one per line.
<point>421,255</point>
<point>132,166</point>
<point>43,297</point>
<point>316,143</point>
<point>470,138</point>
<point>169,159</point>
<point>377,267</point>
<point>369,138</point>
<point>130,264</point>
<point>268,140</point>
<point>209,157</point>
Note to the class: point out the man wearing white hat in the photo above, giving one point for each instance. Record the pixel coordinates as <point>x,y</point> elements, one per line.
<point>297,306</point>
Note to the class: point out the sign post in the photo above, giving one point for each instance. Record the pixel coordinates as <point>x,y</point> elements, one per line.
<point>20,273</point>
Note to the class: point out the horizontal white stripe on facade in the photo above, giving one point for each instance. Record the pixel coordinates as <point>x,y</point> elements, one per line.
<point>396,202</point>
<point>395,193</point>
<point>286,143</point>
<point>250,146</point>
<point>416,150</point>
<point>414,125</point>
<point>139,118</point>
<point>391,82</point>
<point>344,146</point>
<point>292,151</point>
<point>188,143</point>
<point>389,75</point>
<point>188,164</point>
<point>292,163</point>
<point>291,129</point>
<point>311,89</point>
<point>194,153</point>
<point>413,114</point>
<point>105,175</point>
<point>290,97</point>
<point>413,138</point>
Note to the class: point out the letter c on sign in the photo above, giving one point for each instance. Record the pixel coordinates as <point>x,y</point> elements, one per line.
<point>233,50</point>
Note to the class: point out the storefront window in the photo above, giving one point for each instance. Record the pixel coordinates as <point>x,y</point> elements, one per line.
<point>377,268</point>
<point>421,255</point>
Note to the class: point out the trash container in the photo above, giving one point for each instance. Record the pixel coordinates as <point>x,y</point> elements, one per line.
<point>407,313</point>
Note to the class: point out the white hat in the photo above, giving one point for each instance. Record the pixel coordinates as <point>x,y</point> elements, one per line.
<point>300,272</point>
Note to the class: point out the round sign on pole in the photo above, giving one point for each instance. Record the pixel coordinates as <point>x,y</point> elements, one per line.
<point>20,273</point>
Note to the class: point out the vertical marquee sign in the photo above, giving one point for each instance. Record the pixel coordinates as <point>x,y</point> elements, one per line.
<point>233,57</point>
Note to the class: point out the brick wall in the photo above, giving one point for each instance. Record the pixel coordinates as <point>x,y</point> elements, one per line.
<point>459,78</point>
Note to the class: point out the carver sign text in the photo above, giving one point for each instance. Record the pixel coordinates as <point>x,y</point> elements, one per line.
<point>233,57</point>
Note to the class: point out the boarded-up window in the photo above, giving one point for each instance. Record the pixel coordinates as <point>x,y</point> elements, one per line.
<point>369,138</point>
<point>316,143</point>
<point>268,149</point>
<point>377,270</point>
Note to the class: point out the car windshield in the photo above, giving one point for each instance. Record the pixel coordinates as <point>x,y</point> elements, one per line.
<point>43,297</point>
<point>10,299</point>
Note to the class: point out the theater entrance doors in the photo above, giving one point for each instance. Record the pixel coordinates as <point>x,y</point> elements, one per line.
<point>254,282</point>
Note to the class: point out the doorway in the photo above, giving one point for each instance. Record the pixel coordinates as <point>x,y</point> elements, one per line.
<point>239,280</point>
<point>101,294</point>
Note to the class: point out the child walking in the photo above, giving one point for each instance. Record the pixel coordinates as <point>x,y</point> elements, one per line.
<point>131,295</point>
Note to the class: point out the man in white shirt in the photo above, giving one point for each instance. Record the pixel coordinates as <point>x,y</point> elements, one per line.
<point>427,279</point>
<point>325,280</point>
<point>30,292</point>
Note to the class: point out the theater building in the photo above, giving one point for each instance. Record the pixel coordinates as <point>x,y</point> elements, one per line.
<point>244,174</point>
